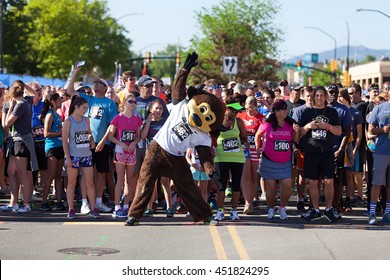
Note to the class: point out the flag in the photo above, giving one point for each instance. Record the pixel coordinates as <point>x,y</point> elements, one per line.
<point>144,70</point>
<point>120,80</point>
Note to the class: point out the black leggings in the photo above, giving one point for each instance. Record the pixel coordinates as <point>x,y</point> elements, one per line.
<point>235,169</point>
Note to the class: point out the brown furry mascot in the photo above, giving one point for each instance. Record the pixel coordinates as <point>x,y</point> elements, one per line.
<point>188,126</point>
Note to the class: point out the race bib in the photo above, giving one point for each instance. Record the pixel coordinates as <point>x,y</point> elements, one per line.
<point>182,131</point>
<point>251,140</point>
<point>38,132</point>
<point>230,145</point>
<point>281,146</point>
<point>82,139</point>
<point>128,136</point>
<point>95,112</point>
<point>318,134</point>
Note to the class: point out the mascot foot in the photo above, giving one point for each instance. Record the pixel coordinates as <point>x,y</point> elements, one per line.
<point>210,221</point>
<point>131,222</point>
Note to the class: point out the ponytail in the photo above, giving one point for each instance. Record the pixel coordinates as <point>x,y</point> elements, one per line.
<point>48,105</point>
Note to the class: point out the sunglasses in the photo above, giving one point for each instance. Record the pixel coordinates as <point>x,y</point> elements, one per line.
<point>351,93</point>
<point>149,85</point>
<point>386,89</point>
<point>132,102</point>
<point>130,79</point>
<point>99,82</point>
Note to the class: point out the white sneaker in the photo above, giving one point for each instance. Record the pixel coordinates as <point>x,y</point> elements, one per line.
<point>85,209</point>
<point>271,214</point>
<point>103,208</point>
<point>263,197</point>
<point>9,208</point>
<point>220,216</point>
<point>282,213</point>
<point>234,215</point>
<point>24,209</point>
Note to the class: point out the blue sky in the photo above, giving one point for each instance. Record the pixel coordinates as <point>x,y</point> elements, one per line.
<point>174,22</point>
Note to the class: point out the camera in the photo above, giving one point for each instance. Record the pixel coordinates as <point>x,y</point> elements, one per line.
<point>80,63</point>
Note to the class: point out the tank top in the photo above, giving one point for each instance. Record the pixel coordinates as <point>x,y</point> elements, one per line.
<point>229,147</point>
<point>54,142</point>
<point>79,138</point>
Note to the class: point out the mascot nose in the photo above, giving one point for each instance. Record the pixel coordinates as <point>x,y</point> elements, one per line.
<point>197,120</point>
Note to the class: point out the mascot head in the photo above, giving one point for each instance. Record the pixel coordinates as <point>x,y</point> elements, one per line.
<point>206,111</point>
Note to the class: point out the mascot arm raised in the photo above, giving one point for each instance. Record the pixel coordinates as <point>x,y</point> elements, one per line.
<point>205,158</point>
<point>179,90</point>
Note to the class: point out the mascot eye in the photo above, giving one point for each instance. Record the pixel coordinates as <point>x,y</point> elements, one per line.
<point>203,109</point>
<point>208,118</point>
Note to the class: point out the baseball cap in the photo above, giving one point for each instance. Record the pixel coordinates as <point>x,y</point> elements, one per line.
<point>101,80</point>
<point>145,80</point>
<point>283,83</point>
<point>296,86</point>
<point>373,87</point>
<point>332,88</point>
<point>78,85</point>
<point>231,84</point>
<point>251,84</point>
<point>236,106</point>
<point>279,104</point>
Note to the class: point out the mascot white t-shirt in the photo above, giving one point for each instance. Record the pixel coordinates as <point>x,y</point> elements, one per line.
<point>177,134</point>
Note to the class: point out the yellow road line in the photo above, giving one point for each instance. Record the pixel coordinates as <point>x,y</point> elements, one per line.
<point>93,223</point>
<point>238,243</point>
<point>217,243</point>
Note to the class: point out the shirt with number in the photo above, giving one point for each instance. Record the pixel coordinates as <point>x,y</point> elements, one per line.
<point>252,124</point>
<point>229,148</point>
<point>177,135</point>
<point>277,144</point>
<point>318,141</point>
<point>127,130</point>
<point>101,111</point>
<point>380,117</point>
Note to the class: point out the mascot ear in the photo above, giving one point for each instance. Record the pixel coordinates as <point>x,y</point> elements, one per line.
<point>197,90</point>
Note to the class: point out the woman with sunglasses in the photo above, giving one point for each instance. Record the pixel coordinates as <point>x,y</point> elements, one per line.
<point>250,178</point>
<point>229,157</point>
<point>124,131</point>
<point>276,135</point>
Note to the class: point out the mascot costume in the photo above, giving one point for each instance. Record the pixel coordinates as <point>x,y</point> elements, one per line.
<point>189,125</point>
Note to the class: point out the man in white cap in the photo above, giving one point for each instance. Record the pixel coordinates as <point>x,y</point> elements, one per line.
<point>101,111</point>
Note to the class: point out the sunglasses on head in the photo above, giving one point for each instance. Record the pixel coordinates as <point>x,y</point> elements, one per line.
<point>131,101</point>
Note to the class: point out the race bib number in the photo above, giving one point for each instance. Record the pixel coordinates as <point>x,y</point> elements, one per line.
<point>230,145</point>
<point>319,134</point>
<point>182,131</point>
<point>281,146</point>
<point>251,140</point>
<point>38,132</point>
<point>128,136</point>
<point>82,139</point>
<point>96,112</point>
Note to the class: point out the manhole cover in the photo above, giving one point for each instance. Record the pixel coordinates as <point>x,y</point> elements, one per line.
<point>90,251</point>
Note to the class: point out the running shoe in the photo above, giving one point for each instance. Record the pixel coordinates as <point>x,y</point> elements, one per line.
<point>85,209</point>
<point>9,208</point>
<point>72,214</point>
<point>95,214</point>
<point>24,209</point>
<point>271,214</point>
<point>337,213</point>
<point>59,206</point>
<point>45,206</point>
<point>213,204</point>
<point>120,213</point>
<point>220,216</point>
<point>170,213</point>
<point>386,217</point>
<point>313,215</point>
<point>248,210</point>
<point>234,215</point>
<point>228,192</point>
<point>300,206</point>
<point>347,206</point>
<point>263,197</point>
<point>131,221</point>
<point>103,208</point>
<point>148,213</point>
<point>372,219</point>
<point>282,213</point>
<point>330,215</point>
<point>210,221</point>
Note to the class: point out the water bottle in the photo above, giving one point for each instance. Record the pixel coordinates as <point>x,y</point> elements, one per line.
<point>246,153</point>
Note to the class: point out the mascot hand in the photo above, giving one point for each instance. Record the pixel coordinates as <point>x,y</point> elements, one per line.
<point>190,61</point>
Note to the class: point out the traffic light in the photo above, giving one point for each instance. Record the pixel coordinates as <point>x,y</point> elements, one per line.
<point>299,65</point>
<point>148,57</point>
<point>347,78</point>
<point>333,65</point>
<point>177,58</point>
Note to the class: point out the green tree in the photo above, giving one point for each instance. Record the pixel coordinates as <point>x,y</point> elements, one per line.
<point>368,58</point>
<point>60,32</point>
<point>241,28</point>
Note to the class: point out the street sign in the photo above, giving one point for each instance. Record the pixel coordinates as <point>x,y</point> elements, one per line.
<point>230,65</point>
